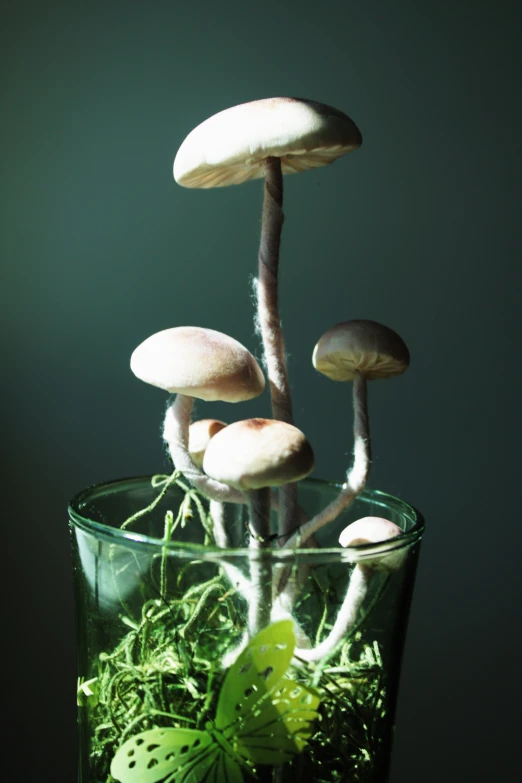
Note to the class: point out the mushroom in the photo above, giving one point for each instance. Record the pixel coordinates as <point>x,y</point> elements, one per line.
<point>357,351</point>
<point>192,362</point>
<point>252,456</point>
<point>267,138</point>
<point>369,560</point>
<point>200,434</point>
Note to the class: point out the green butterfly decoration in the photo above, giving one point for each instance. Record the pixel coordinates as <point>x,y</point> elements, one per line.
<point>262,718</point>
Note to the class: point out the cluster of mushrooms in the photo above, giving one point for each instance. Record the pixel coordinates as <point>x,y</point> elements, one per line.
<point>259,461</point>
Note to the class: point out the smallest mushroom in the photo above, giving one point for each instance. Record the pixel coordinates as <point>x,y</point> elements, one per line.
<point>201,433</point>
<point>254,455</point>
<point>369,560</point>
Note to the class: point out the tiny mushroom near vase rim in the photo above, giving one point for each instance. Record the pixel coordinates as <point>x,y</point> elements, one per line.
<point>198,362</point>
<point>232,146</point>
<point>378,531</point>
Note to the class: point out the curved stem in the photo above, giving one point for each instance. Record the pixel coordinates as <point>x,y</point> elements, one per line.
<point>356,477</point>
<point>175,434</point>
<point>268,321</point>
<point>355,595</point>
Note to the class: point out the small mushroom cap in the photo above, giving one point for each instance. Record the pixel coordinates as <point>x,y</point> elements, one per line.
<point>200,363</point>
<point>201,433</point>
<point>374,530</point>
<point>257,453</point>
<point>365,347</point>
<point>231,147</point>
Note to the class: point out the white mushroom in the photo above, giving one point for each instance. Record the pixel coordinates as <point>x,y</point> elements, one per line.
<point>381,558</point>
<point>254,455</point>
<point>360,348</point>
<point>357,351</point>
<point>200,434</point>
<point>258,453</point>
<point>199,363</point>
<point>196,363</point>
<point>267,138</point>
<point>232,146</point>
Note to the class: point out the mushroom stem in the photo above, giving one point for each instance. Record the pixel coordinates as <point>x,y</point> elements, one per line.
<point>361,422</point>
<point>348,613</point>
<point>268,321</point>
<point>175,434</point>
<point>217,512</point>
<point>260,603</point>
<point>356,477</point>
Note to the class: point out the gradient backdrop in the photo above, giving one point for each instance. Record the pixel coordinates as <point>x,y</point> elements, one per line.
<point>419,229</point>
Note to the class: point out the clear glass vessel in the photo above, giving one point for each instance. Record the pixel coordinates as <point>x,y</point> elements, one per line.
<point>178,680</point>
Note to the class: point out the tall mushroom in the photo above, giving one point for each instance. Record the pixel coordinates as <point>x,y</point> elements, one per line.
<point>267,138</point>
<point>360,535</point>
<point>192,362</point>
<point>357,351</point>
<point>252,456</point>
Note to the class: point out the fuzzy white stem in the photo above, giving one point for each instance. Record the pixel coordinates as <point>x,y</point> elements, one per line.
<point>356,477</point>
<point>348,613</point>
<point>260,604</point>
<point>175,434</point>
<point>234,574</point>
<point>268,321</point>
<point>217,512</point>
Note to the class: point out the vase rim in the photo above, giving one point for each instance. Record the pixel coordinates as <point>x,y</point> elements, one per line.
<point>191,550</point>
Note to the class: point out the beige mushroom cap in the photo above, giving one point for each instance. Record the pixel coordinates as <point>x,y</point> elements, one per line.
<point>201,433</point>
<point>200,363</point>
<point>365,347</point>
<point>374,530</point>
<point>257,453</point>
<point>231,147</point>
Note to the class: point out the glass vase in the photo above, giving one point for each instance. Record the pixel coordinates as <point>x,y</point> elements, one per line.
<point>179,684</point>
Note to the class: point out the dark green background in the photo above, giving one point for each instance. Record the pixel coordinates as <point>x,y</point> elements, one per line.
<point>419,229</point>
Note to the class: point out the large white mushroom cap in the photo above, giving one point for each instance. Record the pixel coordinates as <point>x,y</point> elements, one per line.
<point>231,147</point>
<point>257,453</point>
<point>199,363</point>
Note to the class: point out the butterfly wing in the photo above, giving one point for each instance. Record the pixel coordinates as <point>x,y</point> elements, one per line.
<point>226,770</point>
<point>256,671</point>
<point>265,718</point>
<point>169,755</point>
<point>281,725</point>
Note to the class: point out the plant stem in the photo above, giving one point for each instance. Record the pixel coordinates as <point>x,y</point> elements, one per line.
<point>268,320</point>
<point>169,524</point>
